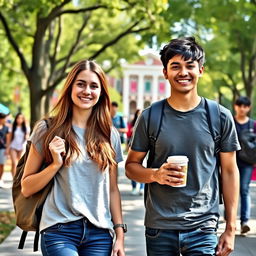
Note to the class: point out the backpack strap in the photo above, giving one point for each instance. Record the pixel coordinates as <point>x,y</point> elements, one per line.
<point>214,122</point>
<point>24,233</point>
<point>155,118</point>
<point>22,239</point>
<point>251,125</point>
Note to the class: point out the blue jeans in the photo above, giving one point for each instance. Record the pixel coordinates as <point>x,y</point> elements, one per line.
<point>76,238</point>
<point>134,184</point>
<point>197,242</point>
<point>245,179</point>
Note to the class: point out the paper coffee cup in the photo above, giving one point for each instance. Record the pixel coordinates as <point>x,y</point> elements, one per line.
<point>181,161</point>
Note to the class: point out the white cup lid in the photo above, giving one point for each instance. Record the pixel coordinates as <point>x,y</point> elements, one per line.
<point>177,159</point>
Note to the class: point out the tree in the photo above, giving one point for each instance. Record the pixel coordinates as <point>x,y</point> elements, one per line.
<point>49,36</point>
<point>226,29</point>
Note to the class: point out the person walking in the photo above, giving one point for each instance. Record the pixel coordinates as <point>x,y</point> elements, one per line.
<point>118,121</point>
<point>19,136</point>
<point>4,145</point>
<point>242,107</point>
<point>82,213</point>
<point>137,187</point>
<point>184,220</point>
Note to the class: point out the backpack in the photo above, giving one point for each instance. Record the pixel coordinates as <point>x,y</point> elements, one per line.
<point>28,211</point>
<point>247,139</point>
<point>154,126</point>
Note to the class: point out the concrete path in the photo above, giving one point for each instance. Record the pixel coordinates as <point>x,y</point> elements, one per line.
<point>133,212</point>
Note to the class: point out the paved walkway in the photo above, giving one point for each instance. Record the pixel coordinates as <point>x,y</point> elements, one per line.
<point>133,211</point>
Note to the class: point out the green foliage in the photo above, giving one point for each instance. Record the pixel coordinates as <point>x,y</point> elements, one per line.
<point>49,36</point>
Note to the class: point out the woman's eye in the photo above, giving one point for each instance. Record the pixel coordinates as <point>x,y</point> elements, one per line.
<point>80,84</point>
<point>94,86</point>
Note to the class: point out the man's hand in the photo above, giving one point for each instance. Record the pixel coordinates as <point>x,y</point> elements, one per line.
<point>169,174</point>
<point>226,243</point>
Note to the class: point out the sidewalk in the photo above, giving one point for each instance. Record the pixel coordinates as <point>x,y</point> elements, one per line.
<point>133,212</point>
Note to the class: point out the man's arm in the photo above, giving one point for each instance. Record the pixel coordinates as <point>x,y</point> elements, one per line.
<point>230,187</point>
<point>167,174</point>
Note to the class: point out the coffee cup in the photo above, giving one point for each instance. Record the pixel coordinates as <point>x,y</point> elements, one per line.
<point>181,161</point>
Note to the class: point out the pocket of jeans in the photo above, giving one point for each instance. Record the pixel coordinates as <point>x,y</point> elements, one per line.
<point>208,230</point>
<point>152,232</point>
<point>54,228</point>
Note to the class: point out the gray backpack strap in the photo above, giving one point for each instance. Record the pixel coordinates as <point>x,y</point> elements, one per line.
<point>154,126</point>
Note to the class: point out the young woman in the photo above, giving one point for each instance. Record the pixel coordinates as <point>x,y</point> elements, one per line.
<point>19,136</point>
<point>82,212</point>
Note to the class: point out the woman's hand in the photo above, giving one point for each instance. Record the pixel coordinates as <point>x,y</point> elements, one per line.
<point>57,149</point>
<point>118,248</point>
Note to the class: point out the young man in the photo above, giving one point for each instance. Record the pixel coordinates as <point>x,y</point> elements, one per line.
<point>184,219</point>
<point>242,121</point>
<point>118,121</point>
<point>5,137</point>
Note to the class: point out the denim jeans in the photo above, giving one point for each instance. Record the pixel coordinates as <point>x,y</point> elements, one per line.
<point>245,179</point>
<point>197,242</point>
<point>76,238</point>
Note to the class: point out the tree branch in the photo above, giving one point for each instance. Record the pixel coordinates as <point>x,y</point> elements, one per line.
<point>12,41</point>
<point>118,37</point>
<point>91,8</point>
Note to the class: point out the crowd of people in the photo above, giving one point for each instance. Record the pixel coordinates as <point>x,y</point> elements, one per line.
<point>81,144</point>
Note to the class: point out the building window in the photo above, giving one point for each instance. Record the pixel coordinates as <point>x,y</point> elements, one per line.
<point>148,84</point>
<point>133,84</point>
<point>161,86</point>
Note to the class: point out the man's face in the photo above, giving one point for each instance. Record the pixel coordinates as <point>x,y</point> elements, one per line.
<point>183,75</point>
<point>113,110</point>
<point>242,110</point>
<point>2,121</point>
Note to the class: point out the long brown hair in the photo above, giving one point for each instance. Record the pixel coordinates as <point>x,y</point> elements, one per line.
<point>98,128</point>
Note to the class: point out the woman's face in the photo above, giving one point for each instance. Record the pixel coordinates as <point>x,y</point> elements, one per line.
<point>20,119</point>
<point>86,90</point>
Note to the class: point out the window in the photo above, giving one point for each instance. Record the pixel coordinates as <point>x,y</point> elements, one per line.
<point>161,86</point>
<point>147,84</point>
<point>133,84</point>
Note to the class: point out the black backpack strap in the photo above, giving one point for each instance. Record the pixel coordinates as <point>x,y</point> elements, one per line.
<point>155,118</point>
<point>214,122</point>
<point>251,125</point>
<point>22,239</point>
<point>36,240</point>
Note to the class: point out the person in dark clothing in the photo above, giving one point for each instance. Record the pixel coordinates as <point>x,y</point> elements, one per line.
<point>242,108</point>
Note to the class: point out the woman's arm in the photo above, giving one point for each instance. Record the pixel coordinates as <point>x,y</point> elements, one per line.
<point>116,213</point>
<point>32,180</point>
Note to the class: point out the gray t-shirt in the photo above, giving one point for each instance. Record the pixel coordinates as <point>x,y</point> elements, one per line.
<point>80,190</point>
<point>185,133</point>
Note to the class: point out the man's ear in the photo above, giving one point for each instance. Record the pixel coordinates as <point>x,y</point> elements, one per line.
<point>201,71</point>
<point>165,73</point>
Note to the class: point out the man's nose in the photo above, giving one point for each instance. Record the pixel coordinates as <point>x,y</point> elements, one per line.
<point>183,71</point>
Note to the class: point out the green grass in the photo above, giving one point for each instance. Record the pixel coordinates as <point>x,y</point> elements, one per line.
<point>7,224</point>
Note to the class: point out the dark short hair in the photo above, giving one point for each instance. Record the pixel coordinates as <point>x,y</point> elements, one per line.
<point>2,115</point>
<point>114,104</point>
<point>243,100</point>
<point>187,47</point>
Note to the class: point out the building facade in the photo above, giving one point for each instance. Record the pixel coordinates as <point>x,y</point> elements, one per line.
<point>143,83</point>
